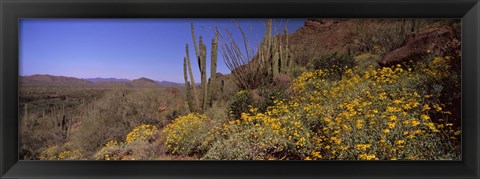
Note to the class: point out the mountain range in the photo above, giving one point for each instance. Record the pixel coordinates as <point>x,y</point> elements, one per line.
<point>50,80</point>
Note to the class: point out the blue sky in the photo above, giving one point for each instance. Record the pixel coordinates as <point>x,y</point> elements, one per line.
<point>124,48</point>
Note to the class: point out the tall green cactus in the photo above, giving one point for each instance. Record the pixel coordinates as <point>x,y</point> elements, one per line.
<point>206,86</point>
<point>187,85</point>
<point>194,102</point>
<point>213,68</point>
<point>274,52</point>
<point>203,72</point>
<point>284,51</point>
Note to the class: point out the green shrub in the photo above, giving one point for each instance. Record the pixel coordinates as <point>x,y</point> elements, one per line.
<point>241,102</point>
<point>137,150</point>
<point>267,96</point>
<point>218,112</point>
<point>336,63</point>
<point>237,147</point>
<point>261,99</point>
<point>367,61</point>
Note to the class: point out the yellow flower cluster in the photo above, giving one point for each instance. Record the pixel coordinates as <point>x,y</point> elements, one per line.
<point>142,133</point>
<point>134,146</point>
<point>376,114</point>
<point>186,133</point>
<point>367,157</point>
<point>380,112</point>
<point>62,152</point>
<point>111,143</point>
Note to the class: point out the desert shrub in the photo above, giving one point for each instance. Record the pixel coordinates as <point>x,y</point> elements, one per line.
<point>383,36</point>
<point>297,70</point>
<point>118,111</point>
<point>443,83</point>
<point>336,63</point>
<point>235,148</point>
<point>377,114</point>
<point>96,129</point>
<point>139,145</point>
<point>227,87</point>
<point>260,98</point>
<point>380,114</point>
<point>34,136</point>
<point>187,135</point>
<point>218,112</point>
<point>267,95</point>
<point>137,150</point>
<point>241,102</point>
<point>61,152</point>
<point>260,137</point>
<point>143,107</point>
<point>367,61</point>
<point>145,133</point>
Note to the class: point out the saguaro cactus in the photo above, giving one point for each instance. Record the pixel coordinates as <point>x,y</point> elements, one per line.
<point>206,86</point>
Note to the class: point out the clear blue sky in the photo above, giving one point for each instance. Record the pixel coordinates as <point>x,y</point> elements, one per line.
<point>124,48</point>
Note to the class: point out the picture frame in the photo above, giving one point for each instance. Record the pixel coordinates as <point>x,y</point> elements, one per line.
<point>12,10</point>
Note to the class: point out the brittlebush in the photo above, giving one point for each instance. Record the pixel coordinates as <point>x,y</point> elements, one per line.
<point>142,133</point>
<point>138,145</point>
<point>61,152</point>
<point>379,114</point>
<point>187,135</point>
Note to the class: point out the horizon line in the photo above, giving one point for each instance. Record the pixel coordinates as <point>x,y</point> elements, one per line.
<point>183,82</point>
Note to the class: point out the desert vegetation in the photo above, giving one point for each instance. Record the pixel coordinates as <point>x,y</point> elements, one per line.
<point>335,89</point>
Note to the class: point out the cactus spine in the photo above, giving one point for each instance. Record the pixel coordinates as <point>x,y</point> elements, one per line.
<point>206,86</point>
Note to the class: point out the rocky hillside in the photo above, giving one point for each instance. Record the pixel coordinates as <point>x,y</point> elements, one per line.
<point>355,36</point>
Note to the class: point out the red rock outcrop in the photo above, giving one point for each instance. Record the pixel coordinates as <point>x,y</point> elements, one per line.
<point>438,41</point>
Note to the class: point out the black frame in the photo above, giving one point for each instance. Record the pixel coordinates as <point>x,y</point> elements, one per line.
<point>11,10</point>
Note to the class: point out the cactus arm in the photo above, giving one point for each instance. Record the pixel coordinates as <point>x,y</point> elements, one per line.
<point>187,86</point>
<point>213,68</point>
<point>203,55</point>
<point>194,40</point>
<point>192,79</point>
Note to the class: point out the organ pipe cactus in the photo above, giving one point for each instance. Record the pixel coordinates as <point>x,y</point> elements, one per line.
<point>274,52</point>
<point>206,86</point>
<point>250,72</point>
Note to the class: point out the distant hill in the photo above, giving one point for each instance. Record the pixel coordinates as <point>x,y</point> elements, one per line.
<point>49,80</point>
<point>98,79</point>
<point>169,84</point>
<point>113,84</point>
<point>144,82</point>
